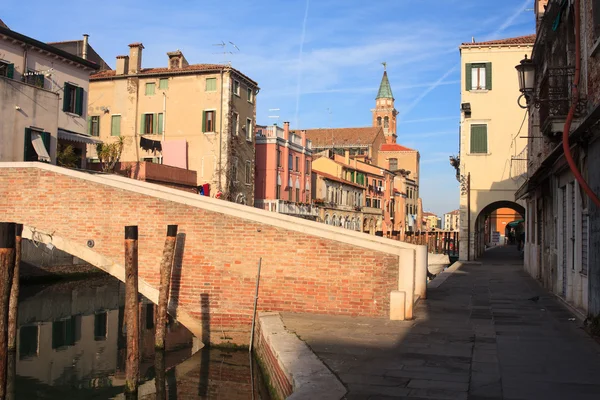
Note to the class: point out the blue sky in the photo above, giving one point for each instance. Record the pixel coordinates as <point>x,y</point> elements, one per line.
<point>318,61</point>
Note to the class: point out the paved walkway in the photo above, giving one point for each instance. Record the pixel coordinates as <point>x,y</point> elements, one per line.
<point>476,337</point>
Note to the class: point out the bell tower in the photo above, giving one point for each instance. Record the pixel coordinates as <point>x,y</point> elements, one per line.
<point>384,113</point>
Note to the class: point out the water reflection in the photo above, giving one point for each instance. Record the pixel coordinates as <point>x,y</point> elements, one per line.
<point>71,344</point>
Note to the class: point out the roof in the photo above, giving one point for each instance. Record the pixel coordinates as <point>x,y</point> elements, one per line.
<point>343,136</point>
<point>429,214</point>
<point>189,69</point>
<point>394,147</point>
<point>360,166</point>
<point>335,178</point>
<point>455,212</point>
<point>49,48</point>
<point>2,24</point>
<point>527,39</point>
<point>385,90</point>
<point>75,47</point>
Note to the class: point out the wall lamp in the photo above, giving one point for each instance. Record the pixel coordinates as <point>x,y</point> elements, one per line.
<point>526,74</point>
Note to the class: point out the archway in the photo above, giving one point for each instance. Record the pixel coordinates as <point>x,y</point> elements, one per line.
<point>491,222</point>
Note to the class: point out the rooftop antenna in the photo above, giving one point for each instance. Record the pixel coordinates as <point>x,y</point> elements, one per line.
<point>276,117</point>
<point>226,50</point>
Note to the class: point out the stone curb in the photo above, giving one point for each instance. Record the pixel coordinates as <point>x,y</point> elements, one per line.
<point>310,378</point>
<point>441,278</point>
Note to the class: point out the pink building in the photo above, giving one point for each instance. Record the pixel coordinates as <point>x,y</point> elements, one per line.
<point>283,171</point>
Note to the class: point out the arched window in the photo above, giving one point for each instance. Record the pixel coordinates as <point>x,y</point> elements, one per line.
<point>378,121</point>
<point>327,219</point>
<point>386,122</point>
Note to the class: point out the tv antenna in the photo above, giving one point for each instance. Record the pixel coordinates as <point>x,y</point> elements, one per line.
<point>227,48</point>
<point>275,117</point>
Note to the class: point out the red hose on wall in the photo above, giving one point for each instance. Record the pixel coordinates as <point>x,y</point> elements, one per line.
<point>565,139</point>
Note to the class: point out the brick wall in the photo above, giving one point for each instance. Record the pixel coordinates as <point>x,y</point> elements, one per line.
<point>300,272</point>
<point>278,381</point>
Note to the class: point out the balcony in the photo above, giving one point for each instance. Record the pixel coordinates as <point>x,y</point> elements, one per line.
<point>295,139</point>
<point>555,100</point>
<point>289,208</point>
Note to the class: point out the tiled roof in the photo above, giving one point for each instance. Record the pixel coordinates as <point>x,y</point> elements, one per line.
<point>188,69</point>
<point>394,147</point>
<point>335,178</point>
<point>343,136</point>
<point>528,39</point>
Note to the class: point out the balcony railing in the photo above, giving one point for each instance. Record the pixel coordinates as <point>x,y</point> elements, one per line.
<point>287,207</point>
<point>295,139</point>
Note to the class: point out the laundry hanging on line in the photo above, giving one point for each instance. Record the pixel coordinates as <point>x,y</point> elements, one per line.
<point>150,145</point>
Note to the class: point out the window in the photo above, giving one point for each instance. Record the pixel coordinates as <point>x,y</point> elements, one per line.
<point>100,328</point>
<point>163,83</point>
<point>211,84</point>
<point>236,88</point>
<point>378,121</point>
<point>73,99</point>
<point>94,125</point>
<point>150,88</point>
<point>250,95</point>
<point>234,170</point>
<point>115,125</point>
<point>386,122</point>
<point>28,342</point>
<point>248,172</point>
<point>29,151</point>
<point>149,316</point>
<point>393,164</point>
<point>278,190</point>
<point>34,78</point>
<point>297,164</point>
<point>63,333</point>
<point>368,203</point>
<point>150,124</point>
<point>478,138</point>
<point>596,12</point>
<point>478,76</point>
<point>279,158</point>
<point>7,69</point>
<point>208,121</point>
<point>248,129</point>
<point>307,167</point>
<point>235,123</point>
<point>290,162</point>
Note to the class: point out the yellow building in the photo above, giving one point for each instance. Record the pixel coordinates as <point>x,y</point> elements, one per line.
<point>199,117</point>
<point>491,144</point>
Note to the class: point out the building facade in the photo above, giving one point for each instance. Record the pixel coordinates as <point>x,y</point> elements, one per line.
<point>562,234</point>
<point>362,143</point>
<point>283,171</point>
<point>491,148</point>
<point>452,221</point>
<point>44,93</point>
<point>193,116</point>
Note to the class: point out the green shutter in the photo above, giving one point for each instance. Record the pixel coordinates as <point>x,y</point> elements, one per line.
<point>10,71</point>
<point>155,123</point>
<point>46,137</point>
<point>163,83</point>
<point>66,97</point>
<point>479,138</point>
<point>150,89</point>
<point>115,129</point>
<point>488,76</point>
<point>468,76</point>
<point>79,101</point>
<point>143,124</point>
<point>160,124</point>
<point>204,121</point>
<point>89,121</point>
<point>27,144</point>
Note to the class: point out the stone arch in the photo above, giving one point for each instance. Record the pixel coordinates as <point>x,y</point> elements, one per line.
<point>386,122</point>
<point>327,219</point>
<point>378,121</point>
<point>115,270</point>
<point>482,234</point>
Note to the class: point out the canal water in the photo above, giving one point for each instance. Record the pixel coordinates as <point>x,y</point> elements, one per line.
<point>71,345</point>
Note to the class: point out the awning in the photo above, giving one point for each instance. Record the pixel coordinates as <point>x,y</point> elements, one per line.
<point>38,145</point>
<point>77,137</point>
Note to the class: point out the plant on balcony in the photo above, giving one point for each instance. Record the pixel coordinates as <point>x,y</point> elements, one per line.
<point>66,156</point>
<point>319,201</point>
<point>110,153</point>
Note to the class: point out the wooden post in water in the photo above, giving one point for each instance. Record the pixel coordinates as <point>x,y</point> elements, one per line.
<point>7,265</point>
<point>132,366</point>
<point>166,265</point>
<point>13,307</point>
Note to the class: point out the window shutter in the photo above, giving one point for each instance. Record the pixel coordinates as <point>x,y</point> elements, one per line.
<point>160,123</point>
<point>478,138</point>
<point>143,124</point>
<point>115,129</point>
<point>10,71</point>
<point>204,121</point>
<point>66,97</point>
<point>155,123</point>
<point>488,76</point>
<point>79,101</point>
<point>27,144</point>
<point>89,120</point>
<point>468,77</point>
<point>46,139</point>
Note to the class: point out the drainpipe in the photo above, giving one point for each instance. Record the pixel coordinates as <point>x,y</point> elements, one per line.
<point>163,124</point>
<point>469,216</point>
<point>221,133</point>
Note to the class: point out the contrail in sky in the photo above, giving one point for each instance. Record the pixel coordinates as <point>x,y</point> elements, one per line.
<point>509,22</point>
<point>299,83</point>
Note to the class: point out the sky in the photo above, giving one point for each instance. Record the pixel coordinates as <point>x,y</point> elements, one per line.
<point>317,61</point>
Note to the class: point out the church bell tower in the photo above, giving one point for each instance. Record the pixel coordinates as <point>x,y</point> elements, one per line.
<point>384,113</point>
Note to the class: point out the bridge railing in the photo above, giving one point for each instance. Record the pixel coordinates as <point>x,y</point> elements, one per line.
<point>437,242</point>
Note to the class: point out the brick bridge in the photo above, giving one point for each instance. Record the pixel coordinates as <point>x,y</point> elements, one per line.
<point>306,266</point>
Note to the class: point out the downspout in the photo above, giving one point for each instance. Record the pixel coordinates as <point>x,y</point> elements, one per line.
<point>574,100</point>
<point>163,126</point>
<point>221,134</point>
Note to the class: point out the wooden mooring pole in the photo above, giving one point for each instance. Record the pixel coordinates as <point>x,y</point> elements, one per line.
<point>166,265</point>
<point>13,307</point>
<point>132,366</point>
<point>7,265</point>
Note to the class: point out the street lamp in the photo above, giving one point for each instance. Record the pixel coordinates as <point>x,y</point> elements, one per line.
<point>526,73</point>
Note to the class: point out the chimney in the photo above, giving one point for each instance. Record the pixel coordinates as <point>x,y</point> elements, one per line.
<point>177,60</point>
<point>84,52</point>
<point>347,157</point>
<point>303,137</point>
<point>286,130</point>
<point>122,65</point>
<point>135,58</point>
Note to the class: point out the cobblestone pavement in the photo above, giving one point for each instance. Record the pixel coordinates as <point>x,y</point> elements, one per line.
<point>478,336</point>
